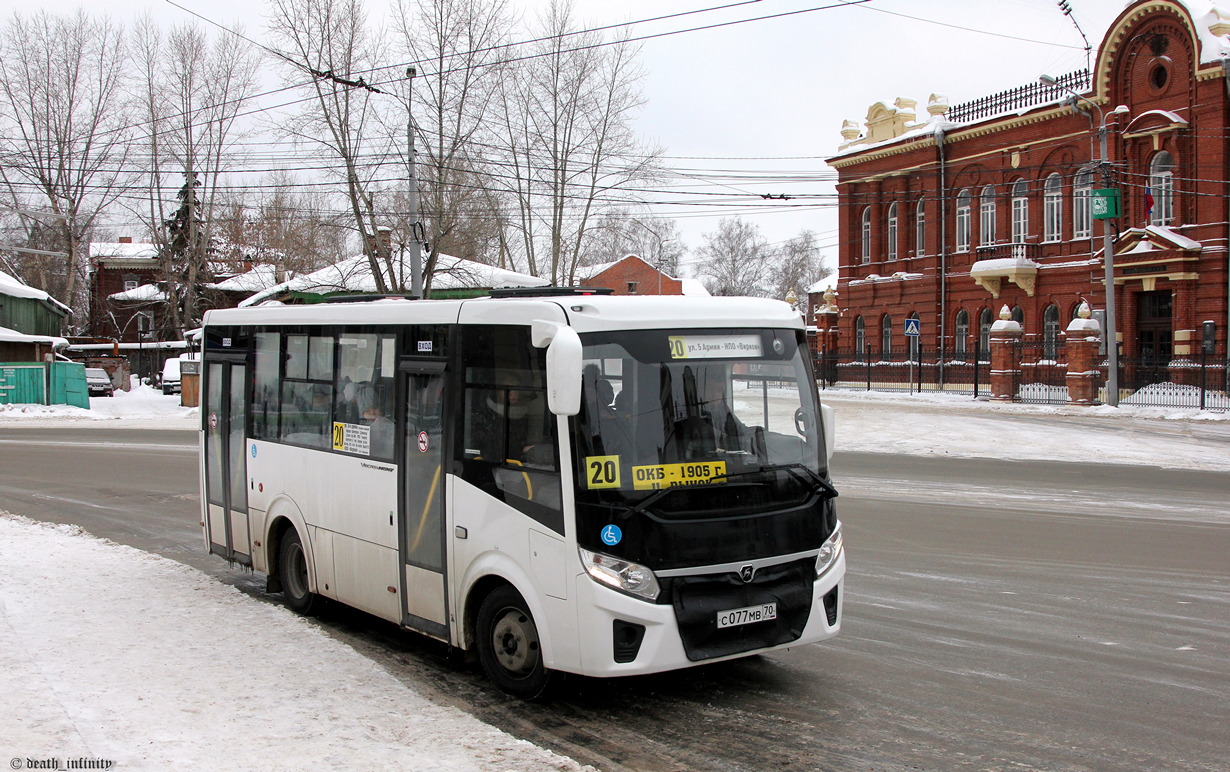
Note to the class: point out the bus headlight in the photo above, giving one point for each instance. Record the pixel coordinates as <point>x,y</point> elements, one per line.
<point>829,551</point>
<point>626,577</point>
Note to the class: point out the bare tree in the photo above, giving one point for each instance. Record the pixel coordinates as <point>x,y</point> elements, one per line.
<point>569,150</point>
<point>64,122</point>
<point>330,40</point>
<point>287,226</point>
<point>797,265</point>
<point>735,259</point>
<point>457,46</point>
<point>192,92</point>
<point>657,241</point>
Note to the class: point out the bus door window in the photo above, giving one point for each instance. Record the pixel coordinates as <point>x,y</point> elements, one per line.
<point>508,440</point>
<point>424,486</point>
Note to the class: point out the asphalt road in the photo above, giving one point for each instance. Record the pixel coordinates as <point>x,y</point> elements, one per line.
<point>998,615</point>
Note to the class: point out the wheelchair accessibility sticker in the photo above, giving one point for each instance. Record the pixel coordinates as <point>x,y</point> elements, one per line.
<point>611,535</point>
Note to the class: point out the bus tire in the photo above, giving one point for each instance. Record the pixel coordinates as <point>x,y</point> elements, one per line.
<point>293,570</point>
<point>509,647</point>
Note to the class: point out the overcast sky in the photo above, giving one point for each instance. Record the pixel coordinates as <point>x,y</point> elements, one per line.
<point>780,88</point>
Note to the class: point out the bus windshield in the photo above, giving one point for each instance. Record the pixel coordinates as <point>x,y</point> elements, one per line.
<point>663,410</point>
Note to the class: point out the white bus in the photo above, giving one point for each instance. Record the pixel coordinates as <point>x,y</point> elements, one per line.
<point>554,480</point>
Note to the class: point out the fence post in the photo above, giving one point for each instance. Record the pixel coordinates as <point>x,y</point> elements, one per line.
<point>1204,361</point>
<point>1083,337</point>
<point>1005,357</point>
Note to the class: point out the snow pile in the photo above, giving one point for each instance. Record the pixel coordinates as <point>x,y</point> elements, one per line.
<point>112,653</point>
<point>143,403</point>
<point>1179,395</point>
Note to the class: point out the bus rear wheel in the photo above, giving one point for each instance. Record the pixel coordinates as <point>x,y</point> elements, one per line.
<point>293,569</point>
<point>509,647</point>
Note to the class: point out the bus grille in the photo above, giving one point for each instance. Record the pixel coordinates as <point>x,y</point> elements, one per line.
<point>698,599</point>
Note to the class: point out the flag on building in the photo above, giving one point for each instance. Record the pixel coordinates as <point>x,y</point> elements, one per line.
<point>1148,202</point>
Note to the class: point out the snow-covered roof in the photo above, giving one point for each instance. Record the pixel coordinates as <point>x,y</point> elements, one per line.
<point>693,288</point>
<point>825,284</point>
<point>261,277</point>
<point>1212,21</point>
<point>13,336</point>
<point>146,293</point>
<point>354,275</point>
<point>16,288</point>
<point>123,249</point>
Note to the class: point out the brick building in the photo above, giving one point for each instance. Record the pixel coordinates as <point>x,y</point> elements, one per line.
<point>632,275</point>
<point>950,216</point>
<point>117,267</point>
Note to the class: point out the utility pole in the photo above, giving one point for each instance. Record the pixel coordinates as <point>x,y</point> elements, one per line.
<point>1108,249</point>
<point>416,228</point>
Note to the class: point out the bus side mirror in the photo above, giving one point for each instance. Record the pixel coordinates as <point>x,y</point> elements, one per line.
<point>828,417</point>
<point>563,365</point>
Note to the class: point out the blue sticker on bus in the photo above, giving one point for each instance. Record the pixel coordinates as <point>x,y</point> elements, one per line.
<point>253,451</point>
<point>611,535</point>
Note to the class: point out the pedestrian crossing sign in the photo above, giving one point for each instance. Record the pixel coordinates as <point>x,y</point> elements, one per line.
<point>912,327</point>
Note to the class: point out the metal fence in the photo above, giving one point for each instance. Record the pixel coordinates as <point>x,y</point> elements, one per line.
<point>909,370</point>
<point>1043,375</point>
<point>1198,382</point>
<point>1020,97</point>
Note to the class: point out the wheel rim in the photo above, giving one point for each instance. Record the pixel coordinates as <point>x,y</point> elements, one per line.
<point>296,571</point>
<point>514,640</point>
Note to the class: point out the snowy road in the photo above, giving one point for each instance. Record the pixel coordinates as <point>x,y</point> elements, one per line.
<point>999,614</point>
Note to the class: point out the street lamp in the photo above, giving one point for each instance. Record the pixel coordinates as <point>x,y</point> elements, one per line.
<point>1108,256</point>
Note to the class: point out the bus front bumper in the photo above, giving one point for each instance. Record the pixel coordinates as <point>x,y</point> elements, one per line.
<point>621,635</point>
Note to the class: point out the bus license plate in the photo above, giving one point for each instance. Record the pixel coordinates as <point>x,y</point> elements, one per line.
<point>746,616</point>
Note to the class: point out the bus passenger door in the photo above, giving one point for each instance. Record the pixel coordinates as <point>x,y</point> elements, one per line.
<point>226,469</point>
<point>422,518</point>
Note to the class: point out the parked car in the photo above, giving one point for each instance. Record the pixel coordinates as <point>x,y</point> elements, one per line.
<point>98,382</point>
<point>170,377</point>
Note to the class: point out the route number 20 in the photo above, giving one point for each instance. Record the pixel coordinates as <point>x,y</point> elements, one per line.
<point>602,472</point>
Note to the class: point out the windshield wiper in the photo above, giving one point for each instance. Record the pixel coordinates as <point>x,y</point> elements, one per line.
<point>810,476</point>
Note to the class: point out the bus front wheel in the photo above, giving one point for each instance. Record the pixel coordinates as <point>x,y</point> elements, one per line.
<point>293,569</point>
<point>509,647</point>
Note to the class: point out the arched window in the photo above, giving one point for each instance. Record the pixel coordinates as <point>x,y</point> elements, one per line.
<point>1018,315</point>
<point>860,336</point>
<point>1020,211</point>
<point>886,336</point>
<point>866,242</point>
<point>1082,205</point>
<point>892,231</point>
<point>1050,332</point>
<point>986,216</point>
<point>984,335</point>
<point>920,228</point>
<point>961,335</point>
<point>866,236</point>
<point>1052,209</point>
<point>963,221</point>
<point>1161,186</point>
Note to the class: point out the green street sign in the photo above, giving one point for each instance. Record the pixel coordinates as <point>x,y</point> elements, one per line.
<point>1105,203</point>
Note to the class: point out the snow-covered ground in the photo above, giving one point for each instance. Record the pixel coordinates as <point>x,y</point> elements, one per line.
<point>114,654</point>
